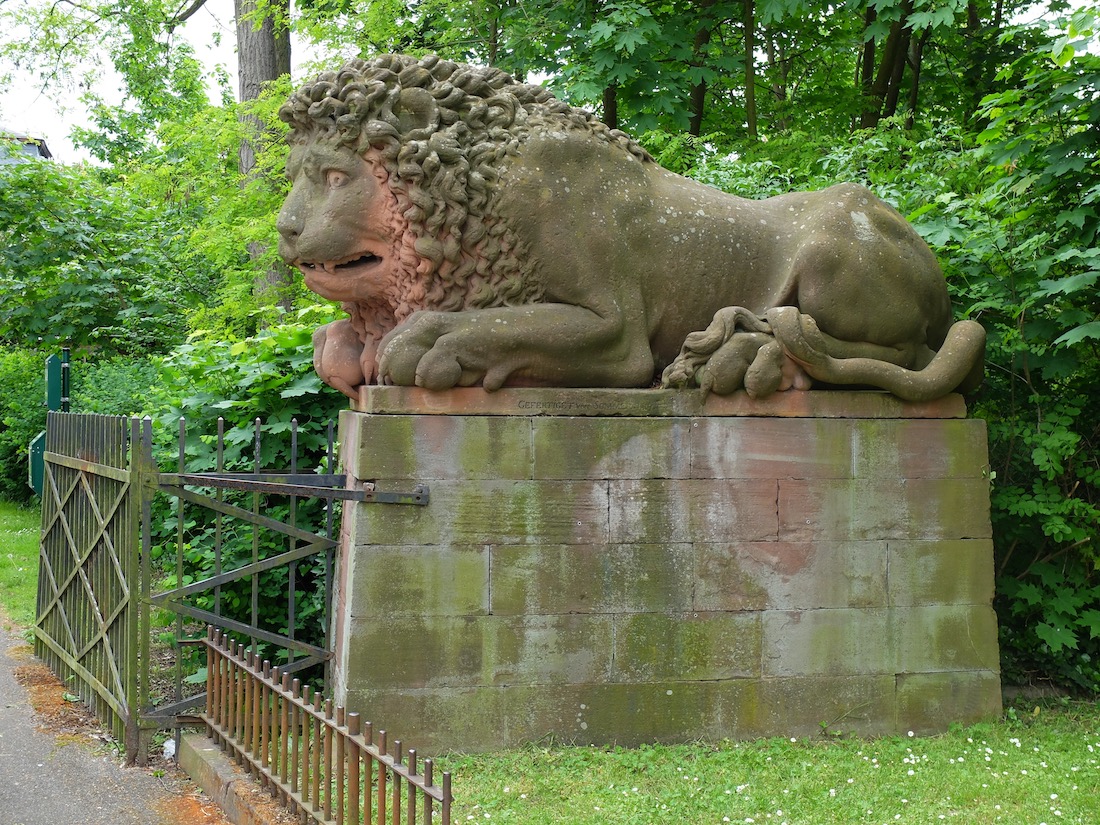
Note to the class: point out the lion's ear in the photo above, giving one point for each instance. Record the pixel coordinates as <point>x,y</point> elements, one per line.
<point>416,109</point>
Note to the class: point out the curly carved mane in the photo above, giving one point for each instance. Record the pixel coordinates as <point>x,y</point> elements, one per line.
<point>441,132</point>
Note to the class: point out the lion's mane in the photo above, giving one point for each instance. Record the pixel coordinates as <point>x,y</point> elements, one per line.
<point>443,175</point>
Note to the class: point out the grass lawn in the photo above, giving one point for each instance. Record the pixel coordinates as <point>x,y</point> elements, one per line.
<point>1035,766</point>
<point>1039,764</point>
<point>19,561</point>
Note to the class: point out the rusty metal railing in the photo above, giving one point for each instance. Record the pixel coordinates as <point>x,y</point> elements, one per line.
<point>321,762</point>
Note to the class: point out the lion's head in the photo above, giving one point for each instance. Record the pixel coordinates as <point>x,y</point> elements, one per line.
<point>414,148</point>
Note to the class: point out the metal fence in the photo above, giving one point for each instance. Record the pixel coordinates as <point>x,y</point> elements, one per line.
<point>98,583</point>
<point>321,762</point>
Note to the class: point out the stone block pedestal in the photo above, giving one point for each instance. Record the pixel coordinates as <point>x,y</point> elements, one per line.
<point>642,565</point>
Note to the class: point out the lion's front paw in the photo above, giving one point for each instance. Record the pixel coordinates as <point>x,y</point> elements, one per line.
<point>337,357</point>
<point>426,351</point>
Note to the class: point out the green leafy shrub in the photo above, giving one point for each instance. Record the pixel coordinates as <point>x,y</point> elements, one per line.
<point>1042,309</point>
<point>113,386</point>
<point>22,417</point>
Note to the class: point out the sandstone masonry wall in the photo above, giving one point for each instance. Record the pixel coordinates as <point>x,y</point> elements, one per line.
<point>638,566</point>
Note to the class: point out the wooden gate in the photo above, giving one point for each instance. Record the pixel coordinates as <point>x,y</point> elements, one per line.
<point>87,626</point>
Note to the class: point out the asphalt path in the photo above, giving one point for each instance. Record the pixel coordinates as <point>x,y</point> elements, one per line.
<point>51,780</point>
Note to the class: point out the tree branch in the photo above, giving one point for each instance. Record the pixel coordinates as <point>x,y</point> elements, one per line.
<point>183,16</point>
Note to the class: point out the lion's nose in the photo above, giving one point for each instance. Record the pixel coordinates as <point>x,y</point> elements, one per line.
<point>291,220</point>
<point>289,225</point>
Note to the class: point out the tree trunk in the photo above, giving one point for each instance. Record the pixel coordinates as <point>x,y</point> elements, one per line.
<point>611,106</point>
<point>699,90</point>
<point>263,55</point>
<point>494,40</point>
<point>882,93</point>
<point>749,21</point>
<point>778,68</point>
<point>865,72</point>
<point>915,61</point>
<point>893,89</point>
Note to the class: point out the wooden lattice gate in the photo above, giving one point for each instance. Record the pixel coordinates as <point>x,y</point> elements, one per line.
<point>88,617</point>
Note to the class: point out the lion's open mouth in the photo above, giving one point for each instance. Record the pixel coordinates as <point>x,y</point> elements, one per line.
<point>334,268</point>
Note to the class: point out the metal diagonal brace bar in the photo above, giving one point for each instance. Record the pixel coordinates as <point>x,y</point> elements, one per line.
<point>238,513</point>
<point>297,484</point>
<point>220,479</point>
<point>246,629</point>
<point>318,546</point>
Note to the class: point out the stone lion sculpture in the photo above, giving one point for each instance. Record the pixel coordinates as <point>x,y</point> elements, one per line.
<point>479,231</point>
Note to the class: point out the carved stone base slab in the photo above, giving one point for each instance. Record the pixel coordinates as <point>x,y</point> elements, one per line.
<point>651,402</point>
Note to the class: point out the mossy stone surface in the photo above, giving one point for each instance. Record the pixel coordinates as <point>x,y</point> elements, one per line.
<point>883,508</point>
<point>783,575</point>
<point>691,510</point>
<point>448,651</point>
<point>492,512</point>
<point>810,706</point>
<point>941,572</point>
<point>611,448</point>
<point>689,647</point>
<point>945,637</point>
<point>425,448</point>
<point>591,578</point>
<point>837,642</point>
<point>628,715</point>
<point>610,579</point>
<point>420,581</point>
<point>925,700</point>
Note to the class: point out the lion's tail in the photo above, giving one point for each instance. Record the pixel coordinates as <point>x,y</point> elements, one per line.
<point>958,366</point>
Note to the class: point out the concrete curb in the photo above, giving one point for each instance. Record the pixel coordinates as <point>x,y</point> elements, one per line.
<point>234,791</point>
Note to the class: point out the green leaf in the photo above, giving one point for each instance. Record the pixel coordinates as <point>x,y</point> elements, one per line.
<point>1056,638</point>
<point>1074,336</point>
<point>303,385</point>
<point>629,39</point>
<point>601,31</point>
<point>1069,284</point>
<point>1091,620</point>
<point>1029,593</point>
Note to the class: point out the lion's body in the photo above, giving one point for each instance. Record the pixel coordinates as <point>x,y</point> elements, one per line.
<point>592,266</point>
<point>673,251</point>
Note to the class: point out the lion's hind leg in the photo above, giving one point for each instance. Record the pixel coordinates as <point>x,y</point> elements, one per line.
<point>736,351</point>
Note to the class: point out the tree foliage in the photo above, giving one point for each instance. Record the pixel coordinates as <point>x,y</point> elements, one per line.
<point>87,264</point>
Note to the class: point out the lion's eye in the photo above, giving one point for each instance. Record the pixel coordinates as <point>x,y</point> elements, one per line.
<point>335,178</point>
